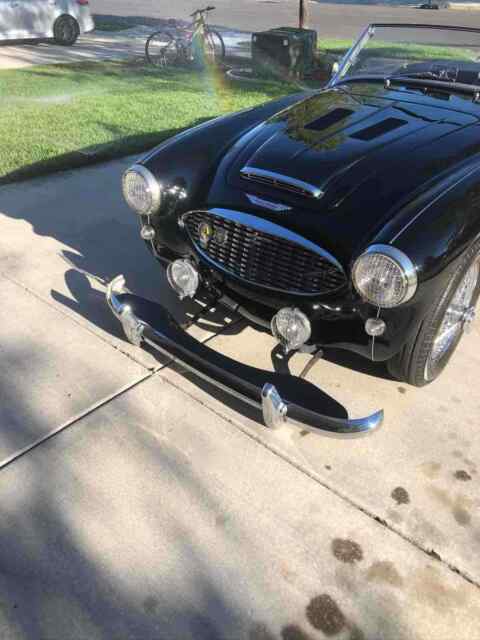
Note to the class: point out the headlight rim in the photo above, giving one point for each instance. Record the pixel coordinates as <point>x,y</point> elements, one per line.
<point>153,186</point>
<point>407,266</point>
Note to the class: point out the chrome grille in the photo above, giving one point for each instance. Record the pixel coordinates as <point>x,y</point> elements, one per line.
<point>262,258</point>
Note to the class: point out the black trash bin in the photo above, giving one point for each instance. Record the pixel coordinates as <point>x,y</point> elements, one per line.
<point>284,51</point>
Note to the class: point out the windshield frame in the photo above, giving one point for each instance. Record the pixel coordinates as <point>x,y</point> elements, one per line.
<point>349,58</point>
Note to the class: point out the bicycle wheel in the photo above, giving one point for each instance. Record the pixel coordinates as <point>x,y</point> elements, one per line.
<point>214,45</point>
<point>161,49</point>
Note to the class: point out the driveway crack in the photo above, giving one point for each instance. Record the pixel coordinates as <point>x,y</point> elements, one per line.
<point>73,420</point>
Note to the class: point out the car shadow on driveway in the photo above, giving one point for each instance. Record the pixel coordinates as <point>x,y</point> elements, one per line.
<point>96,237</point>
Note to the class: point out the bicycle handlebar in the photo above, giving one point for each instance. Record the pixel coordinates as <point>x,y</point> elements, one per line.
<point>202,11</point>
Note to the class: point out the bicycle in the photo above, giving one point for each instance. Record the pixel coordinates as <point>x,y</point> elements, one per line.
<point>195,42</point>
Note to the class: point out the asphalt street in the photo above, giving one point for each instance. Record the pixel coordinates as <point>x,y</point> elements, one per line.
<point>332,20</point>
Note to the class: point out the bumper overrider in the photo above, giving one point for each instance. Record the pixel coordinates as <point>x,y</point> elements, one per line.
<point>282,398</point>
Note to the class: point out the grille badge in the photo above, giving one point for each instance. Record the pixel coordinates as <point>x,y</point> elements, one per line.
<point>205,233</point>
<point>221,236</point>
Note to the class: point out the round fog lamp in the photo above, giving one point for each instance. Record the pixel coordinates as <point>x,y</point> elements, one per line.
<point>291,328</point>
<point>183,278</point>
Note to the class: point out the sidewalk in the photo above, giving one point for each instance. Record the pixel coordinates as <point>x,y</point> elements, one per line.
<point>103,45</point>
<point>137,504</point>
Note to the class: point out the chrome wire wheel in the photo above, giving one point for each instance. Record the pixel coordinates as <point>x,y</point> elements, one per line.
<point>458,318</point>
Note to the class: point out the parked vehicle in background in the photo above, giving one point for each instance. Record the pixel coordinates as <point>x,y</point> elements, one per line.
<point>60,20</point>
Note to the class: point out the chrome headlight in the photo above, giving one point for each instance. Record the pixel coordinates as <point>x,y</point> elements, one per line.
<point>141,190</point>
<point>384,276</point>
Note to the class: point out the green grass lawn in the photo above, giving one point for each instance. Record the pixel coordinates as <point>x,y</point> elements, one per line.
<point>334,46</point>
<point>58,116</point>
<point>102,24</point>
<point>407,51</point>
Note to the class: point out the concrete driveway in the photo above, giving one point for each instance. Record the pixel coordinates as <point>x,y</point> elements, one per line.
<point>137,504</point>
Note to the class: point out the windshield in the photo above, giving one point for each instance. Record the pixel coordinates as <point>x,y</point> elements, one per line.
<point>437,53</point>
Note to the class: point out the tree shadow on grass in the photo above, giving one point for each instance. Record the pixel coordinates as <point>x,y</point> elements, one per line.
<point>178,76</point>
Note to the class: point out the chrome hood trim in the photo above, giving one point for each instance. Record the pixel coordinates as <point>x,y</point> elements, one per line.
<point>281,182</point>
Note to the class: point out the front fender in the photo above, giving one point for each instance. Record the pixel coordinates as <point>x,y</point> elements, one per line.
<point>190,158</point>
<point>435,229</point>
<point>189,161</point>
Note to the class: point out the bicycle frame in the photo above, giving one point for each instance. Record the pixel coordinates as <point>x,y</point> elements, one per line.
<point>193,40</point>
<point>194,29</point>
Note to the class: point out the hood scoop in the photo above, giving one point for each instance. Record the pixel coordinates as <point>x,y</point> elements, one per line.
<point>378,129</point>
<point>281,182</point>
<point>329,119</point>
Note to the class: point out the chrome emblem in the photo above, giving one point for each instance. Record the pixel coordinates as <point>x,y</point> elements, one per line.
<point>220,236</point>
<point>267,204</point>
<point>205,233</point>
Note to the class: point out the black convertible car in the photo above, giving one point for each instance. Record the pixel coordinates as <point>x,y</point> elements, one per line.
<point>347,217</point>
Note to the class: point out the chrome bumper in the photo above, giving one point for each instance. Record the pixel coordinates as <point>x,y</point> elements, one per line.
<point>275,394</point>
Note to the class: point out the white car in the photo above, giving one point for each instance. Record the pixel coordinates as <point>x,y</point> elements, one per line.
<point>62,20</point>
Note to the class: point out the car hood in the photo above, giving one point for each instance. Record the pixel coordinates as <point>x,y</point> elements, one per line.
<point>368,149</point>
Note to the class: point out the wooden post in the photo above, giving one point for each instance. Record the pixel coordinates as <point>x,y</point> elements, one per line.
<point>303,18</point>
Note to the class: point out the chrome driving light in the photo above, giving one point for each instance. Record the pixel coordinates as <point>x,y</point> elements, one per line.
<point>375,327</point>
<point>291,328</point>
<point>141,190</point>
<point>147,232</point>
<point>384,276</point>
<point>183,277</point>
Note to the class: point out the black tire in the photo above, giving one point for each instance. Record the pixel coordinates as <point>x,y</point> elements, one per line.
<point>161,49</point>
<point>415,363</point>
<point>214,45</point>
<point>66,31</point>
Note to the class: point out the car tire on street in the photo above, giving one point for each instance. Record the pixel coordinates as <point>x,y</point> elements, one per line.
<point>66,31</point>
<point>423,359</point>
